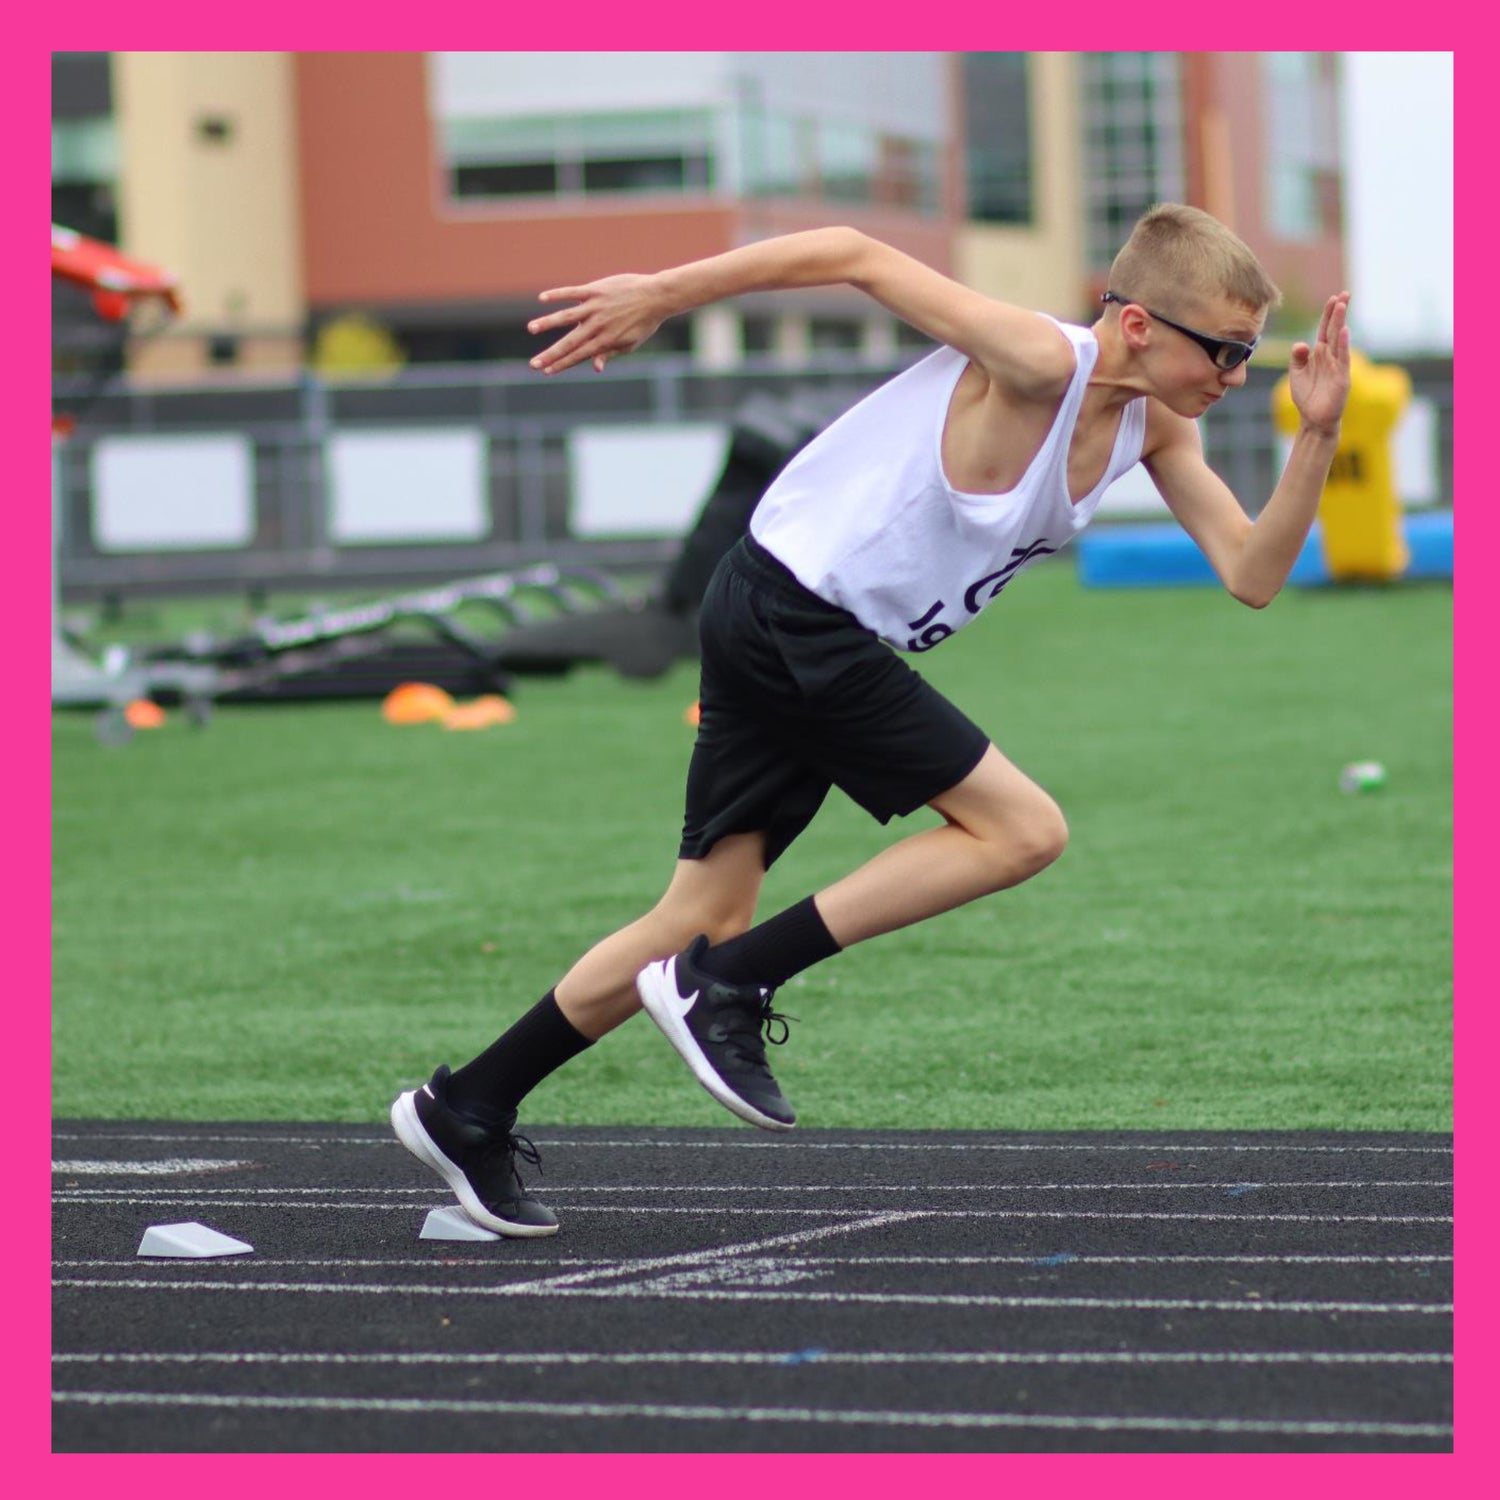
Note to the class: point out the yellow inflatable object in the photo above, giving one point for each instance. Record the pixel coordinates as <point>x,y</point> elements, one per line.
<point>1360,510</point>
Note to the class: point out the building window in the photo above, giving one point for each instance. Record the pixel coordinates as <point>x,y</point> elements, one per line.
<point>835,335</point>
<point>85,168</point>
<point>1132,104</point>
<point>836,161</point>
<point>997,137</point>
<point>570,156</point>
<point>1302,142</point>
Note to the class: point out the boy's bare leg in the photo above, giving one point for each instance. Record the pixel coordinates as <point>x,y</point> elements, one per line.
<point>1000,829</point>
<point>714,895</point>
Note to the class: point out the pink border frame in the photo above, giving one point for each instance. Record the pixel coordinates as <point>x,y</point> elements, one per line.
<point>26,601</point>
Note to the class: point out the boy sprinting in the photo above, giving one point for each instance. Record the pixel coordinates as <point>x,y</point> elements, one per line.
<point>890,531</point>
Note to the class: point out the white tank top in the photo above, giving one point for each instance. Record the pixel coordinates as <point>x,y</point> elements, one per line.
<point>865,517</point>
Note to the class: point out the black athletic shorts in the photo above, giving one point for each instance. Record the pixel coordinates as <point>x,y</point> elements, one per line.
<point>798,696</point>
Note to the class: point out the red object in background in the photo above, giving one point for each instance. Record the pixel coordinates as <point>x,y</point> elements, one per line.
<point>115,279</point>
<point>111,306</point>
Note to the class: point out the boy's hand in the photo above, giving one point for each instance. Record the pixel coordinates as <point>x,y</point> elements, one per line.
<point>1319,374</point>
<point>610,317</point>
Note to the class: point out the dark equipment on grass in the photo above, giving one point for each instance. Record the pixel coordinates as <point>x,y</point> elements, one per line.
<point>366,650</point>
<point>642,638</point>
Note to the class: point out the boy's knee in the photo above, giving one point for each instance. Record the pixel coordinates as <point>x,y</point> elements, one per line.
<point>1037,837</point>
<point>1051,837</point>
<point>685,917</point>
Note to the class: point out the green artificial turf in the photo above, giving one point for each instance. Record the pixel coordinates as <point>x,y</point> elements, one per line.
<point>294,912</point>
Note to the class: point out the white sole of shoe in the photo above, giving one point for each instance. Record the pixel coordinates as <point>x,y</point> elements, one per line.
<point>658,991</point>
<point>409,1131</point>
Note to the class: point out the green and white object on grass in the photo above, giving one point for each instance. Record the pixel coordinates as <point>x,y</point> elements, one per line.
<point>1362,776</point>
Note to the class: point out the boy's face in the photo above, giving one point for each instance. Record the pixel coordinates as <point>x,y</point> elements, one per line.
<point>1184,373</point>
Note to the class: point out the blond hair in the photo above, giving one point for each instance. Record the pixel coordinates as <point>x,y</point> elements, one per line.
<point>1177,256</point>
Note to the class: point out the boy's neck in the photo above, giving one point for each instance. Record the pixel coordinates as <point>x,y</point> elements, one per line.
<point>1115,380</point>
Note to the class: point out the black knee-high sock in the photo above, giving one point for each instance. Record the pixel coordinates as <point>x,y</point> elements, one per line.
<point>490,1088</point>
<point>772,953</point>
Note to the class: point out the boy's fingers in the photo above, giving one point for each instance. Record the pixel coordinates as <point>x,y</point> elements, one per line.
<point>1325,323</point>
<point>574,293</point>
<point>553,320</point>
<point>565,349</point>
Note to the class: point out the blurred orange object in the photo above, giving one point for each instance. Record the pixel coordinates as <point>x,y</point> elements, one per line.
<point>693,715</point>
<point>142,713</point>
<point>415,703</point>
<point>480,714</point>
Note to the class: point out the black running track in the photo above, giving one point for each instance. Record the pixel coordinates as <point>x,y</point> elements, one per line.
<point>715,1291</point>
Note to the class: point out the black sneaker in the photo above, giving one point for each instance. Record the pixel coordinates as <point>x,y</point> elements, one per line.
<point>479,1164</point>
<point>716,1028</point>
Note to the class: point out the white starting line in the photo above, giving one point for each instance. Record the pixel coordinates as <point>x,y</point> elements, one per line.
<point>1081,1259</point>
<point>663,1288</point>
<point>791,1189</point>
<point>205,1199</point>
<point>175,1166</point>
<point>595,1411</point>
<point>794,1357</point>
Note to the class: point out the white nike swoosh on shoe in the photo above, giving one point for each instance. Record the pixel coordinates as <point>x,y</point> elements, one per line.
<point>680,1005</point>
<point>663,978</point>
<point>428,1091</point>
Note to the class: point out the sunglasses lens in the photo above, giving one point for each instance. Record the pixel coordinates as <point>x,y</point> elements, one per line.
<point>1232,356</point>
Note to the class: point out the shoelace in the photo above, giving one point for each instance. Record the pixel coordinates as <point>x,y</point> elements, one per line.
<point>746,1039</point>
<point>770,1018</point>
<point>513,1146</point>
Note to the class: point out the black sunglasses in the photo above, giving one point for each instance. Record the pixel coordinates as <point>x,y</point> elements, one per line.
<point>1227,354</point>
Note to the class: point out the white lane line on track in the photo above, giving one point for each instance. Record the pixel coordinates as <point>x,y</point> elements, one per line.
<point>789,1358</point>
<point>171,1167</point>
<point>721,1210</point>
<point>732,1142</point>
<point>1081,1258</point>
<point>641,1411</point>
<point>791,1189</point>
<point>674,1293</point>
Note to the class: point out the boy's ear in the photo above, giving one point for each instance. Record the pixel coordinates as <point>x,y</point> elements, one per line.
<point>1135,326</point>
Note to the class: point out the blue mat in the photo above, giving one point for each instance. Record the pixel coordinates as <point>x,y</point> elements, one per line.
<point>1163,555</point>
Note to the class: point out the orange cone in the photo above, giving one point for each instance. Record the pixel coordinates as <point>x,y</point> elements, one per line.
<point>415,703</point>
<point>142,713</point>
<point>482,713</point>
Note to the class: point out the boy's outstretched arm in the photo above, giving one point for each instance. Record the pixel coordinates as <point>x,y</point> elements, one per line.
<point>619,313</point>
<point>1253,561</point>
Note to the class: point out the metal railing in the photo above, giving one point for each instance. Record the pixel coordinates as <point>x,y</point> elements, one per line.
<point>525,420</point>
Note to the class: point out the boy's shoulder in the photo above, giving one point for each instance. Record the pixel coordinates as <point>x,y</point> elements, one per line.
<point>1040,357</point>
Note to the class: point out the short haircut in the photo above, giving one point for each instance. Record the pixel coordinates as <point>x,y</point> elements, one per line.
<point>1176,256</point>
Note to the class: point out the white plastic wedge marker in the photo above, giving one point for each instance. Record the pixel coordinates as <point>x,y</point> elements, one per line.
<point>189,1242</point>
<point>454,1224</point>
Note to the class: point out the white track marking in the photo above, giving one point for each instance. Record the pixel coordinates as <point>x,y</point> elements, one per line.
<point>792,1189</point>
<point>1081,1258</point>
<point>734,1142</point>
<point>172,1167</point>
<point>600,1411</point>
<point>725,1253</point>
<point>90,1200</point>
<point>790,1358</point>
<point>914,1299</point>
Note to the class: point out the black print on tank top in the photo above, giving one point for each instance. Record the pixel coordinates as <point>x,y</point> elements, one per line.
<point>973,602</point>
